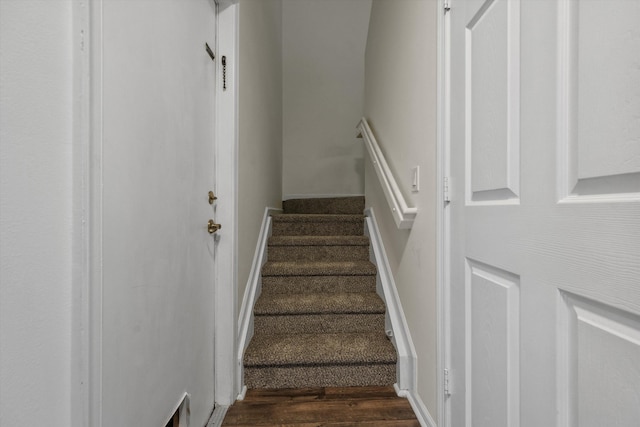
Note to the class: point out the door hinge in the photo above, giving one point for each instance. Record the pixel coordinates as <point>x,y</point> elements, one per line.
<point>447,6</point>
<point>447,388</point>
<point>447,197</point>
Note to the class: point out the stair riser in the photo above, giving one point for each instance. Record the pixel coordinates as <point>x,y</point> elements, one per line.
<point>338,228</point>
<point>320,376</point>
<point>343,205</point>
<point>318,253</point>
<point>318,284</point>
<point>327,323</point>
<point>331,268</point>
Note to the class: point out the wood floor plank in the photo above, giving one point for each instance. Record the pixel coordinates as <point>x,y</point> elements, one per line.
<point>302,394</point>
<point>339,407</point>
<point>334,410</point>
<point>377,423</point>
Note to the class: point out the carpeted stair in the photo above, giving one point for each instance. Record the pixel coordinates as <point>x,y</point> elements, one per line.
<point>318,321</point>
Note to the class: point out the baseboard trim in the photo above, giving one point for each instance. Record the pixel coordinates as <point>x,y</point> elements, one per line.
<point>243,393</point>
<point>217,417</point>
<point>396,322</point>
<point>252,291</point>
<point>422,413</point>
<point>318,196</point>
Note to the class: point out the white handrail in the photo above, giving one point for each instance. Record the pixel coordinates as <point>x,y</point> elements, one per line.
<point>403,215</point>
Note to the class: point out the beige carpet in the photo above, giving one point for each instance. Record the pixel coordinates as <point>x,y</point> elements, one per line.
<point>319,321</point>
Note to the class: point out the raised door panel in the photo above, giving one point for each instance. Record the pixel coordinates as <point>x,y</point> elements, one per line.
<point>492,103</point>
<point>493,356</point>
<point>599,381</point>
<point>599,100</point>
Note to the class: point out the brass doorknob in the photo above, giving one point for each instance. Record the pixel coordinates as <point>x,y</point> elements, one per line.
<point>212,227</point>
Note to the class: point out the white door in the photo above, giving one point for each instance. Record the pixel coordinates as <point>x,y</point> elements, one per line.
<point>545,213</point>
<point>158,166</point>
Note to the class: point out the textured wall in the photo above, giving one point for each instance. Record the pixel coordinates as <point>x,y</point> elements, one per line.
<point>400,104</point>
<point>323,75</point>
<point>35,213</point>
<point>260,120</point>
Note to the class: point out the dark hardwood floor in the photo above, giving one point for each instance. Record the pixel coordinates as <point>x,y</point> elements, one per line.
<point>348,406</point>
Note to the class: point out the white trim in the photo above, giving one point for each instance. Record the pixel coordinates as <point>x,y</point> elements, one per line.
<point>87,205</point>
<point>225,3</point>
<point>217,417</point>
<point>403,215</point>
<point>226,128</point>
<point>398,328</point>
<point>184,406</point>
<point>419,408</point>
<point>443,212</point>
<point>81,240</point>
<point>317,196</point>
<point>243,393</point>
<point>251,293</point>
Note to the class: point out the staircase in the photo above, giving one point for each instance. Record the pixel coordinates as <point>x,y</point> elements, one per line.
<point>318,321</point>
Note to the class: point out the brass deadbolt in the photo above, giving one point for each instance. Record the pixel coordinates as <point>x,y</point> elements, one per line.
<point>212,227</point>
<point>212,197</point>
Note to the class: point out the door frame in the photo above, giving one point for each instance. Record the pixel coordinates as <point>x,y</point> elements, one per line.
<point>87,208</point>
<point>226,288</point>
<point>443,215</point>
<point>86,303</point>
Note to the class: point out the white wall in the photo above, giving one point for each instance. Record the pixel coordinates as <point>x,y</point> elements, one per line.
<point>400,105</point>
<point>323,74</point>
<point>35,212</point>
<point>260,122</point>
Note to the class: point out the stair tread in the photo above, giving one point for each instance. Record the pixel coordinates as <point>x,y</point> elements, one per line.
<point>317,217</point>
<point>318,241</point>
<point>319,349</point>
<point>324,268</point>
<point>319,303</point>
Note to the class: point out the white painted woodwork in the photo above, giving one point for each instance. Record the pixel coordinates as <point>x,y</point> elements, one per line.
<point>599,349</point>
<point>599,100</point>
<point>158,86</point>
<point>492,113</point>
<point>545,213</point>
<point>403,214</point>
<point>226,181</point>
<point>608,126</point>
<point>252,292</point>
<point>443,219</point>
<point>396,323</point>
<point>493,345</point>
